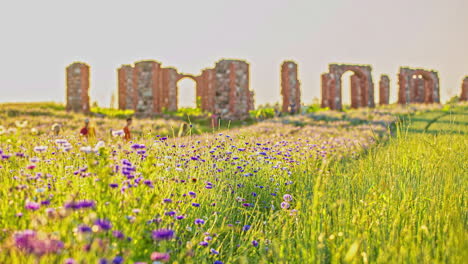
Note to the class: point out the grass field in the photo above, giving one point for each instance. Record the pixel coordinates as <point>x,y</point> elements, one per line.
<point>324,188</point>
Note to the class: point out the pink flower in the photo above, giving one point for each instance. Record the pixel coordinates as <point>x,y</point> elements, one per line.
<point>157,256</point>
<point>33,206</point>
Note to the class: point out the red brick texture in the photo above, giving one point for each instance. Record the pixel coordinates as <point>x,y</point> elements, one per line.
<point>384,90</point>
<point>223,89</point>
<point>290,87</point>
<point>77,75</point>
<point>418,86</point>
<point>464,93</point>
<point>362,86</point>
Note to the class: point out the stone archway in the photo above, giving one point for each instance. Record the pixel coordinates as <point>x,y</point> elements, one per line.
<point>223,89</point>
<point>362,87</point>
<point>195,80</point>
<point>418,86</point>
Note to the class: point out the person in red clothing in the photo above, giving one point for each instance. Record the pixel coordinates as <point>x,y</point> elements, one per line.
<point>127,135</point>
<point>85,130</point>
<point>88,130</point>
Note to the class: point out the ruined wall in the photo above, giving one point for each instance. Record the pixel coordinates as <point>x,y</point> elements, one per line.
<point>232,95</point>
<point>290,87</point>
<point>418,86</point>
<point>169,95</point>
<point>147,82</point>
<point>384,90</point>
<point>223,89</point>
<point>362,86</point>
<point>77,75</point>
<point>464,93</point>
<point>127,92</point>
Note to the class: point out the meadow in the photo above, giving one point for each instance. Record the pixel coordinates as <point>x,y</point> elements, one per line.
<point>386,185</point>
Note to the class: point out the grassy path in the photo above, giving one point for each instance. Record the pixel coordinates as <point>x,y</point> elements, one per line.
<point>404,202</point>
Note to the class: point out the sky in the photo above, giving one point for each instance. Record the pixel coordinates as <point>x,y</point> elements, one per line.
<point>38,39</point>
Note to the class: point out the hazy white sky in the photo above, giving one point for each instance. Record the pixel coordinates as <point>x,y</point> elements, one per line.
<point>38,39</point>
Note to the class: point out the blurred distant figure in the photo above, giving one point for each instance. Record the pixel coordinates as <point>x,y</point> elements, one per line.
<point>292,109</point>
<point>215,120</point>
<point>88,130</point>
<point>127,135</point>
<point>56,128</point>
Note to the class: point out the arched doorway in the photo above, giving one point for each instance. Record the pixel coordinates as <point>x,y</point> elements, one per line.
<point>187,92</point>
<point>346,81</point>
<point>361,86</point>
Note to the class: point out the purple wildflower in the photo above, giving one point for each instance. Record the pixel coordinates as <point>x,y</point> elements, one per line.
<point>199,221</point>
<point>103,224</point>
<point>162,234</point>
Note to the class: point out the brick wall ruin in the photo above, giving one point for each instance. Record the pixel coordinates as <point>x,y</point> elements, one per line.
<point>418,86</point>
<point>464,93</point>
<point>77,75</point>
<point>362,86</point>
<point>290,88</point>
<point>232,95</point>
<point>384,90</point>
<point>126,89</point>
<point>223,89</point>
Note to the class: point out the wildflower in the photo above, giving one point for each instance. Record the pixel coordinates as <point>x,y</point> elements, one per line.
<point>246,228</point>
<point>203,244</point>
<point>86,149</point>
<point>199,221</point>
<point>84,229</point>
<point>40,148</point>
<point>117,133</point>
<point>103,224</point>
<point>157,256</point>
<point>117,234</point>
<point>117,260</point>
<point>196,204</point>
<point>255,243</point>
<point>103,261</point>
<point>287,197</point>
<point>218,262</point>
<point>213,251</point>
<point>285,205</point>
<point>33,206</point>
<point>70,261</point>
<point>29,242</point>
<point>163,234</point>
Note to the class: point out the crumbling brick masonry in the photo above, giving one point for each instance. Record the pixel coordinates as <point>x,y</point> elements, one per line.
<point>464,93</point>
<point>223,90</point>
<point>362,87</point>
<point>290,88</point>
<point>418,86</point>
<point>78,87</point>
<point>384,90</point>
